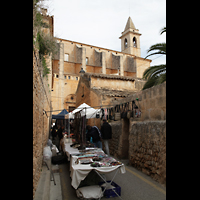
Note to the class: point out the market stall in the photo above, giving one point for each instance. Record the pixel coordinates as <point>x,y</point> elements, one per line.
<point>85,158</point>
<point>84,109</point>
<point>63,117</point>
<point>82,162</point>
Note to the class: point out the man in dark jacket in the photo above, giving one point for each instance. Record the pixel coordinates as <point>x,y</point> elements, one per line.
<point>106,134</point>
<point>95,133</point>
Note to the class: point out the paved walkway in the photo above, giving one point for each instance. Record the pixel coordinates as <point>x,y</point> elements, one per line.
<point>134,184</point>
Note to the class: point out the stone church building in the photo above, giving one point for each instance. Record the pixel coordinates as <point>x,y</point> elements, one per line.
<point>119,66</point>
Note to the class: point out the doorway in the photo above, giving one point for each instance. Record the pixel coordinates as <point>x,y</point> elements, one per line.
<point>125,138</point>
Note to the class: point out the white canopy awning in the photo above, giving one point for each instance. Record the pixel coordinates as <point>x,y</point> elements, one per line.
<point>85,109</point>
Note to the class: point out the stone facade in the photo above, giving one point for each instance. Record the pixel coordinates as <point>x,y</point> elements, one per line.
<point>152,102</point>
<point>41,119</point>
<point>147,148</point>
<point>101,90</point>
<point>94,60</point>
<point>41,102</point>
<point>144,145</point>
<point>143,140</point>
<point>114,142</point>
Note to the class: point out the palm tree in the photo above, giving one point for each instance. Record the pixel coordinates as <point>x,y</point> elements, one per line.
<point>156,74</point>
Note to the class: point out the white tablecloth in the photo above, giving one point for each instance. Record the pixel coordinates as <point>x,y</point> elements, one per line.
<point>70,150</point>
<point>80,171</point>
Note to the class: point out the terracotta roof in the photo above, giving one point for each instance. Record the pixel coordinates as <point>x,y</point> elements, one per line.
<point>108,76</point>
<point>114,93</point>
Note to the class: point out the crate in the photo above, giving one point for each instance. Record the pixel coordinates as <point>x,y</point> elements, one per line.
<point>108,193</point>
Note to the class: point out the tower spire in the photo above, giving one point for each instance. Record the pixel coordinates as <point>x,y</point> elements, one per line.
<point>129,24</point>
<point>130,39</point>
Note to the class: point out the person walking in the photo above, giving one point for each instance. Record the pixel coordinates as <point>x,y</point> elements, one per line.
<point>60,136</point>
<point>106,133</point>
<point>95,133</point>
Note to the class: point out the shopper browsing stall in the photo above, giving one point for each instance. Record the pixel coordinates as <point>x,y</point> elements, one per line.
<point>95,133</point>
<point>106,132</point>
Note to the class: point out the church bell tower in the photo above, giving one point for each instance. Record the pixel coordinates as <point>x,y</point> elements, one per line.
<point>130,39</point>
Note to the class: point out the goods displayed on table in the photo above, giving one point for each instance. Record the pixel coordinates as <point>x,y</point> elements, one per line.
<point>96,158</point>
<point>88,168</point>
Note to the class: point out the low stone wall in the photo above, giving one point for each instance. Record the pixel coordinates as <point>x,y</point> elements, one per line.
<point>147,148</point>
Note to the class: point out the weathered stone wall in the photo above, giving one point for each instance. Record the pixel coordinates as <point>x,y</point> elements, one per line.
<point>41,119</point>
<point>152,102</point>
<point>114,142</point>
<point>115,62</point>
<point>98,58</point>
<point>130,64</point>
<point>143,140</point>
<point>78,54</point>
<point>147,148</point>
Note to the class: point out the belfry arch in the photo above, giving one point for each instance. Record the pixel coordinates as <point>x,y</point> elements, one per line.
<point>125,43</point>
<point>134,42</point>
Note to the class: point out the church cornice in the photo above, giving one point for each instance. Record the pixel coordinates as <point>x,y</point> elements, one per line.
<point>101,48</point>
<point>129,31</point>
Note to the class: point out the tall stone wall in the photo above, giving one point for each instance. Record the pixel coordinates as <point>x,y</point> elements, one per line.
<point>41,119</point>
<point>143,140</point>
<point>114,142</point>
<point>147,148</point>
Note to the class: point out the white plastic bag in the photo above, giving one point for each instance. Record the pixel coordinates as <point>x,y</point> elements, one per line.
<point>47,153</point>
<point>89,192</point>
<point>49,143</point>
<point>54,150</point>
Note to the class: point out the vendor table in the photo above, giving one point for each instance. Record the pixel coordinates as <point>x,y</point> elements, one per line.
<point>80,171</point>
<point>69,150</point>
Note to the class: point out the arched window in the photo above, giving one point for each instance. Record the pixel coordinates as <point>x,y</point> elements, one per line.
<point>125,43</point>
<point>134,42</point>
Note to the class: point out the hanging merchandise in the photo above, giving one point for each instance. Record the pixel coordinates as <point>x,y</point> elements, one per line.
<point>98,114</point>
<point>106,114</point>
<point>137,112</point>
<point>131,111</point>
<point>117,113</point>
<point>111,115</point>
<point>102,111</point>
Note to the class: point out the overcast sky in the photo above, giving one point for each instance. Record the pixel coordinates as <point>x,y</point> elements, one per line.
<point>100,22</point>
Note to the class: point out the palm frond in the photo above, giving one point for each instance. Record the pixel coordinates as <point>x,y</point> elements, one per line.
<point>153,71</point>
<point>154,75</point>
<point>161,79</point>
<point>150,83</point>
<point>163,30</point>
<point>159,47</point>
